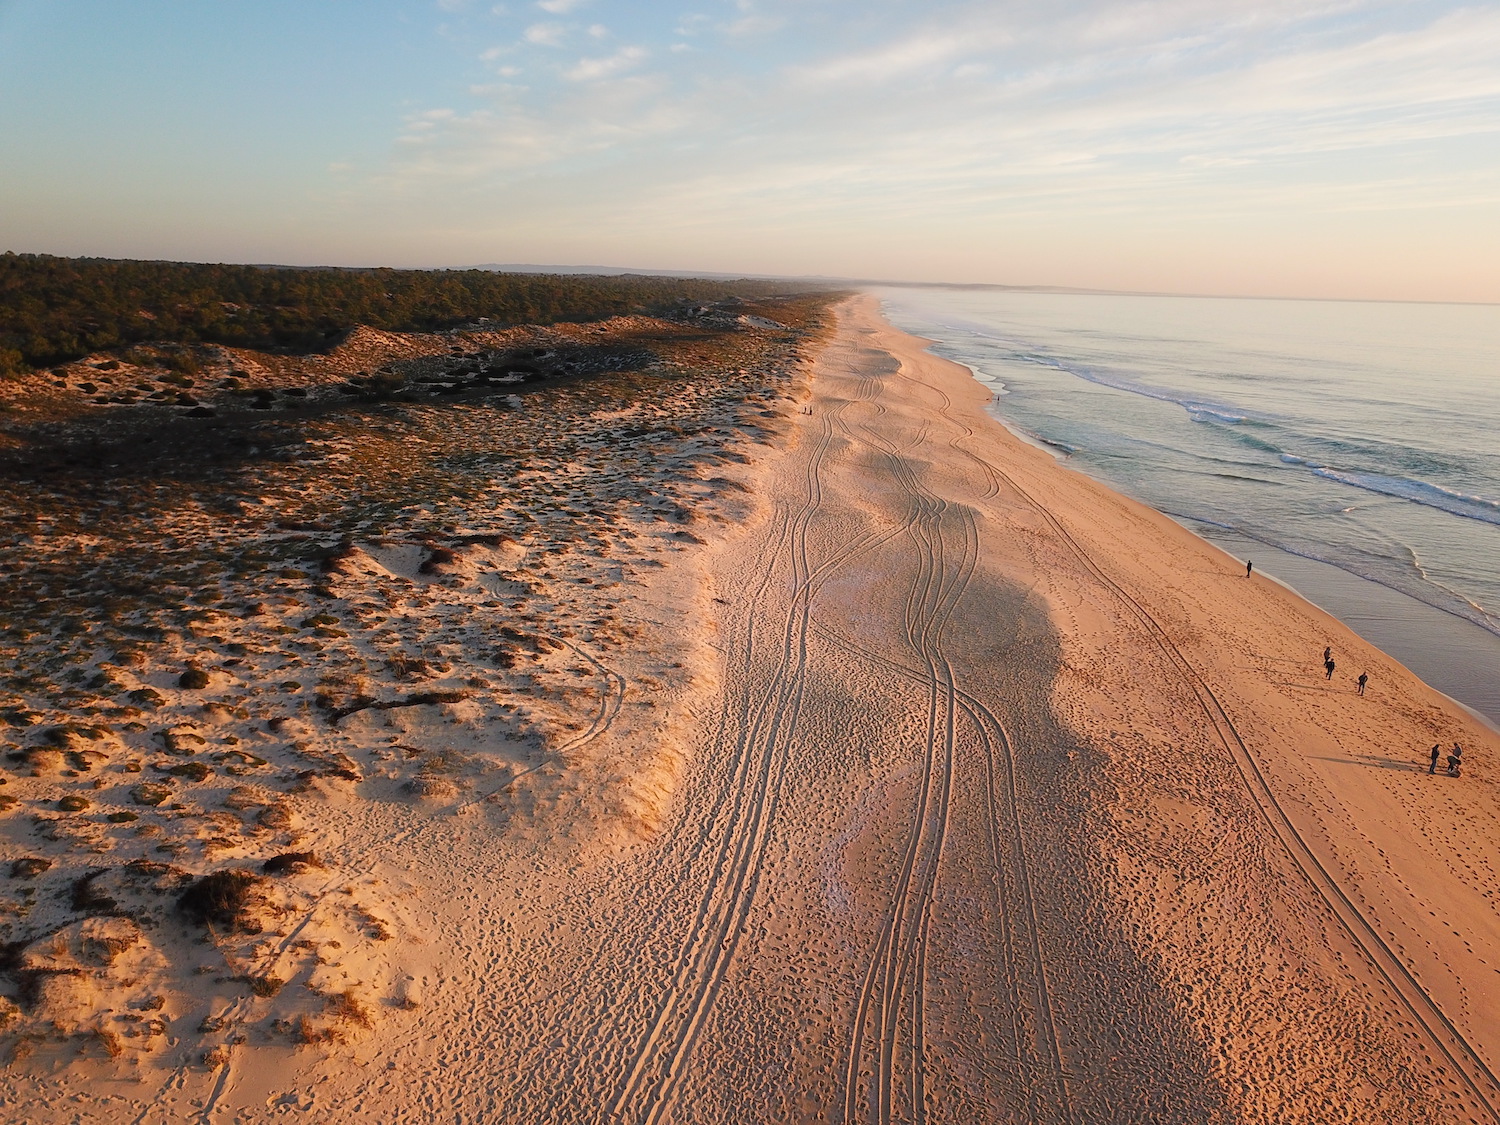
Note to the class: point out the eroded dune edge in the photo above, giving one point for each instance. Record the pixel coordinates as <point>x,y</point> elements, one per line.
<point>923,779</point>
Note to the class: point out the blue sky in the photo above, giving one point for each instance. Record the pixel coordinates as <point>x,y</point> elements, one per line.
<point>1346,148</point>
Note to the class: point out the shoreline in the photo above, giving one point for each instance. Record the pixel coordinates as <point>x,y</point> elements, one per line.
<point>1417,635</point>
<point>1360,818</point>
<point>1441,640</point>
<point>1330,588</point>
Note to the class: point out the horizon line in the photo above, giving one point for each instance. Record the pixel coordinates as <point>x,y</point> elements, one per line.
<point>821,279</point>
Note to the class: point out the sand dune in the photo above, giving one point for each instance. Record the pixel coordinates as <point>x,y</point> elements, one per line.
<point>980,794</point>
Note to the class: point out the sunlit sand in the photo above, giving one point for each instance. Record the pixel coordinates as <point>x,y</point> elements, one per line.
<point>873,767</point>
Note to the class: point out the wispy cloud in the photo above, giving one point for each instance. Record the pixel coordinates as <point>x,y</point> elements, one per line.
<point>987,115</point>
<point>592,70</point>
<point>512,137</point>
<point>546,34</point>
<point>885,63</point>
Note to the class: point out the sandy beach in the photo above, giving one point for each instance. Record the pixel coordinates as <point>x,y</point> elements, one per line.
<point>935,783</point>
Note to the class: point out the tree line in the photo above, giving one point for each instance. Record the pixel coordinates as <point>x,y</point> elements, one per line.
<point>57,309</point>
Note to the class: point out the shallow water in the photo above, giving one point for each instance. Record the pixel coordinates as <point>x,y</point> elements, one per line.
<point>1361,436</point>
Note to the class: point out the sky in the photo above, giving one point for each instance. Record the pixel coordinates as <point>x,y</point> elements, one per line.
<point>1242,147</point>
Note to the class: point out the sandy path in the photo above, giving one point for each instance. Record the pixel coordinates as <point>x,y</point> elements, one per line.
<point>1013,803</point>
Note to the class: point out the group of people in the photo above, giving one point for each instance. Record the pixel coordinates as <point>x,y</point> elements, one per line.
<point>1455,759</point>
<point>1329,666</point>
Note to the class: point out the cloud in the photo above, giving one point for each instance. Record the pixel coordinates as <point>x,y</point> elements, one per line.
<point>895,60</point>
<point>517,136</point>
<point>558,7</point>
<point>592,70</point>
<point>755,25</point>
<point>1197,107</point>
<point>546,34</point>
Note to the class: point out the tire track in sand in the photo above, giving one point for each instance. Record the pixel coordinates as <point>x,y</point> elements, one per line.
<point>1037,1055</point>
<point>762,734</point>
<point>893,990</point>
<point>901,956</point>
<point>1398,981</point>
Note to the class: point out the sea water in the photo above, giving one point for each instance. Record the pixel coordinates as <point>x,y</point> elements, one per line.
<point>1351,449</point>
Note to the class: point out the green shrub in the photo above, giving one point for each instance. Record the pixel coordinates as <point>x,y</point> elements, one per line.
<point>57,309</point>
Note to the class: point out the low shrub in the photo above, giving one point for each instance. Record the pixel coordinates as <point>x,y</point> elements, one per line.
<point>194,679</point>
<point>226,898</point>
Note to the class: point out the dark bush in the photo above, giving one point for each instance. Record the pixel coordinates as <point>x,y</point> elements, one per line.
<point>290,863</point>
<point>225,898</point>
<point>150,793</point>
<point>90,899</point>
<point>193,771</point>
<point>193,679</point>
<point>58,309</point>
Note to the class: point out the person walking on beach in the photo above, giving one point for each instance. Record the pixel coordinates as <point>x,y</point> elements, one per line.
<point>1432,766</point>
<point>1328,667</point>
<point>1363,679</point>
<point>1327,654</point>
<point>1249,566</point>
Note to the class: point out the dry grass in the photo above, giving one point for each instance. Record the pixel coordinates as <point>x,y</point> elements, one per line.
<point>291,863</point>
<point>348,1008</point>
<point>222,568</point>
<point>264,986</point>
<point>109,1042</point>
<point>229,899</point>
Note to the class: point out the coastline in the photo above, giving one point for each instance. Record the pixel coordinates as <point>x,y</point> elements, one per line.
<point>1450,654</point>
<point>1239,457</point>
<point>993,792</point>
<point>1348,772</point>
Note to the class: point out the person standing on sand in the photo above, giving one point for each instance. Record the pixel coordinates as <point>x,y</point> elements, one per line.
<point>1363,679</point>
<point>1432,766</point>
<point>1327,654</point>
<point>1249,566</point>
<point>1328,667</point>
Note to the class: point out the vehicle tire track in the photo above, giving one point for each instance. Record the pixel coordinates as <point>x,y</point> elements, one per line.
<point>765,730</point>
<point>1399,981</point>
<point>900,961</point>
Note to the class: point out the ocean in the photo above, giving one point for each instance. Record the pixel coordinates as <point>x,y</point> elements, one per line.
<point>1351,449</point>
